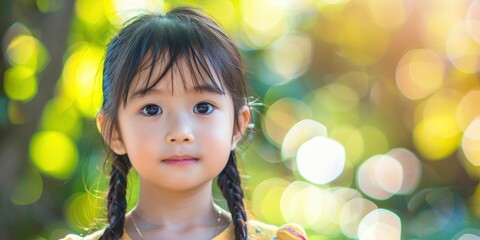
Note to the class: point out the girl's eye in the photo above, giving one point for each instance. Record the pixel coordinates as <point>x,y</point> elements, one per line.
<point>151,110</point>
<point>203,108</point>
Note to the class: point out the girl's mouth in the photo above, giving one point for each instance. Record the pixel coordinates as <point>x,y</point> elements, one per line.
<point>180,160</point>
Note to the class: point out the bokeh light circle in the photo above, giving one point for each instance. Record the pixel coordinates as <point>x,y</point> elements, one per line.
<point>463,51</point>
<point>471,142</point>
<point>321,160</point>
<point>59,114</point>
<point>298,134</point>
<point>28,189</point>
<point>440,113</point>
<point>411,169</point>
<point>433,210</point>
<point>437,133</point>
<point>54,154</point>
<point>380,224</point>
<point>91,12</point>
<point>290,56</point>
<point>352,213</point>
<point>310,206</point>
<point>473,15</point>
<point>389,174</point>
<point>468,234</point>
<point>437,20</point>
<point>432,146</point>
<point>28,51</point>
<point>20,83</point>
<point>263,15</point>
<point>291,204</point>
<point>266,199</point>
<point>419,73</point>
<point>327,221</point>
<point>282,115</point>
<point>82,209</point>
<point>377,182</point>
<point>263,21</point>
<point>467,109</point>
<point>81,78</point>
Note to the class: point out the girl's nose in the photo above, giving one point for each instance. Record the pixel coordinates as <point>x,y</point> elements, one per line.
<point>179,138</point>
<point>179,132</point>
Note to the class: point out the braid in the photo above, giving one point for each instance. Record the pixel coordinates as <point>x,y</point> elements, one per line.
<point>229,182</point>
<point>117,203</point>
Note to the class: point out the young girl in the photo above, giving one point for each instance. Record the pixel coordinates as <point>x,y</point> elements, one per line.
<point>174,109</point>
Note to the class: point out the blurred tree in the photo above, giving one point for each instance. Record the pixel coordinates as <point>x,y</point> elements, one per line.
<point>52,29</point>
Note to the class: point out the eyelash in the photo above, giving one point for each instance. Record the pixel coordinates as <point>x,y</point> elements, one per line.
<point>144,110</point>
<point>211,108</point>
<point>158,110</point>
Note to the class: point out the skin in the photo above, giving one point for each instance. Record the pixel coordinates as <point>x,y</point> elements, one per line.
<point>178,139</point>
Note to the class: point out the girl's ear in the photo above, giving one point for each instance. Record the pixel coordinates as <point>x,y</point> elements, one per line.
<point>114,141</point>
<point>243,121</point>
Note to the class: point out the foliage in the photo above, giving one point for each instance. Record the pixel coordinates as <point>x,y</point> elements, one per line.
<point>369,124</point>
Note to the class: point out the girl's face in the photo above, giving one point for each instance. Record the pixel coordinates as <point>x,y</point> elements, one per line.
<point>178,135</point>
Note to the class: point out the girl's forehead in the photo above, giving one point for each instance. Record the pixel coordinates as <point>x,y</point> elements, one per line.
<point>181,74</point>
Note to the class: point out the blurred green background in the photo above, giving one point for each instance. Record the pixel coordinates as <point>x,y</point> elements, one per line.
<point>369,128</point>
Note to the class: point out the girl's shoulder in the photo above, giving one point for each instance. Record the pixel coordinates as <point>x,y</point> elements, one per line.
<point>260,231</point>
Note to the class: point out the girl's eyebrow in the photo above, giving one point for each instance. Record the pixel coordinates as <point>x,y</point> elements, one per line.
<point>153,91</point>
<point>207,88</point>
<point>142,93</point>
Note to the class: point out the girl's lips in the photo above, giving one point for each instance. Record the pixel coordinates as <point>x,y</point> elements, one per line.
<point>180,160</point>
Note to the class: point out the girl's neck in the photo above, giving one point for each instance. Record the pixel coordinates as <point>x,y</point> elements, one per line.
<point>159,207</point>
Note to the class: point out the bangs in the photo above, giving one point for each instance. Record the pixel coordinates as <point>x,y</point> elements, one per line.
<point>161,65</point>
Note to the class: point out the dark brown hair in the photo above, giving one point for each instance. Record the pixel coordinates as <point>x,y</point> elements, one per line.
<point>182,36</point>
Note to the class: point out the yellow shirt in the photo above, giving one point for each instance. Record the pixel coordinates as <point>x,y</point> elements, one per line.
<point>256,231</point>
